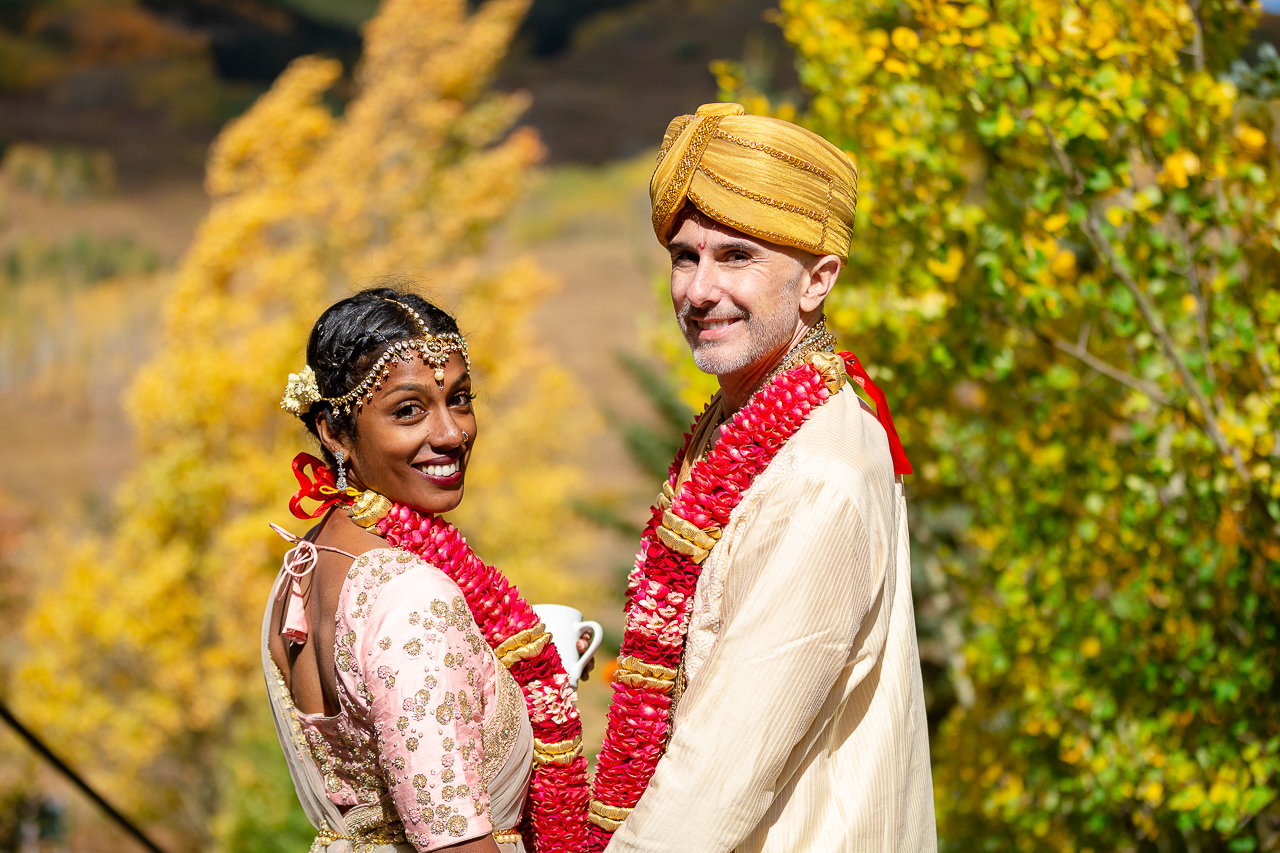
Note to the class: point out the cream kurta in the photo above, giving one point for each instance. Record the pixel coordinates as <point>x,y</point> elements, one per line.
<point>803,724</point>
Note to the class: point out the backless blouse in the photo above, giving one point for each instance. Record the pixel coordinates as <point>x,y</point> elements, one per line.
<point>432,742</point>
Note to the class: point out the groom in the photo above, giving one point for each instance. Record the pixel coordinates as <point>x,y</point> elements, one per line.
<point>789,713</point>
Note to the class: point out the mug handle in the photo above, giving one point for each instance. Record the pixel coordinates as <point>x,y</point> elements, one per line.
<point>597,635</point>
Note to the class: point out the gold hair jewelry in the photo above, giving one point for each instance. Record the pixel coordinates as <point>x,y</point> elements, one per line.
<point>303,390</point>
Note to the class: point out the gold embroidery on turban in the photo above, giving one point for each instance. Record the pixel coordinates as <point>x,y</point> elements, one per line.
<point>763,176</point>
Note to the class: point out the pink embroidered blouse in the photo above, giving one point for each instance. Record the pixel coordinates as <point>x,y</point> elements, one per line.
<point>428,715</point>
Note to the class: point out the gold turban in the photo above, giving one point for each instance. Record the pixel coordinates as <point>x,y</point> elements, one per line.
<point>763,176</point>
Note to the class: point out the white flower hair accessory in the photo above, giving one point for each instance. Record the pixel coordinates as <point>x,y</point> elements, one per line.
<point>301,392</point>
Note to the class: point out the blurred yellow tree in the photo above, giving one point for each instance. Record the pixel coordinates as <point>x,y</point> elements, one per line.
<point>1065,272</point>
<point>143,650</point>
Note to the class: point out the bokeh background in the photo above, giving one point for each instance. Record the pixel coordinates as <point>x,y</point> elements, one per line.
<point>1064,276</point>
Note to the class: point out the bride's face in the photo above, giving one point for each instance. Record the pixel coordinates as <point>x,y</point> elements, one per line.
<point>413,439</point>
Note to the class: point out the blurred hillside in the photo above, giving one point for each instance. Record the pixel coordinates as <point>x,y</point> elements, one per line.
<point>150,82</point>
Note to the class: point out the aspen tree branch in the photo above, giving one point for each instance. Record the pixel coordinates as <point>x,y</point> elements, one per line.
<point>1115,373</point>
<point>1093,229</point>
<point>1197,41</point>
<point>1201,314</point>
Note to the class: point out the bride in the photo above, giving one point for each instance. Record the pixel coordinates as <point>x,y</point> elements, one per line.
<point>418,700</point>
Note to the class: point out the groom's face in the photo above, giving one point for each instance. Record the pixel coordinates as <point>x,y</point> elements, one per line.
<point>736,297</point>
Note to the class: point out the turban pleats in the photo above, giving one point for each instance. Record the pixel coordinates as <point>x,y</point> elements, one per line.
<point>762,176</point>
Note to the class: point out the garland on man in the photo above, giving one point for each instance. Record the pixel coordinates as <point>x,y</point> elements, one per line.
<point>780,712</point>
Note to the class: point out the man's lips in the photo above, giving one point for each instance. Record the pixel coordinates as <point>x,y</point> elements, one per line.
<point>714,328</point>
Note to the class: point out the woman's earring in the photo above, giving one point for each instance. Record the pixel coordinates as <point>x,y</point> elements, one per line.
<point>342,470</point>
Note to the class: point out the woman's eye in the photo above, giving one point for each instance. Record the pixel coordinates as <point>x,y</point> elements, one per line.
<point>463,398</point>
<point>407,410</point>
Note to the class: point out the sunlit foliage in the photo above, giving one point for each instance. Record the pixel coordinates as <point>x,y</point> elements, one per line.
<point>1066,272</point>
<point>143,652</point>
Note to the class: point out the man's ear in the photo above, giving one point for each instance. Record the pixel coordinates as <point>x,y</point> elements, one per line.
<point>821,278</point>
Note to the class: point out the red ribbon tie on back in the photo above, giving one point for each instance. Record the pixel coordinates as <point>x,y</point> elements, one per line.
<point>900,464</point>
<point>317,486</point>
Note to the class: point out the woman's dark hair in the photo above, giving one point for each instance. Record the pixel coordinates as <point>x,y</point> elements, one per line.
<point>349,338</point>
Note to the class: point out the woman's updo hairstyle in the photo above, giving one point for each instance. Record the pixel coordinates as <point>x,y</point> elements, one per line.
<point>350,337</point>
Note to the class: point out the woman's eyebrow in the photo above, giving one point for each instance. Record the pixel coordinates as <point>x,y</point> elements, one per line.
<point>408,386</point>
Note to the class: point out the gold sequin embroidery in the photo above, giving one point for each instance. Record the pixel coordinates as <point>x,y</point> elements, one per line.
<point>498,735</point>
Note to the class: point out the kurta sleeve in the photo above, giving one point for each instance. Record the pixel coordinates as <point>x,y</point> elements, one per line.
<point>424,660</point>
<point>804,576</point>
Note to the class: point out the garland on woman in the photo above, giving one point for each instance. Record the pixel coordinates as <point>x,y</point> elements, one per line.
<point>555,810</point>
<point>685,525</point>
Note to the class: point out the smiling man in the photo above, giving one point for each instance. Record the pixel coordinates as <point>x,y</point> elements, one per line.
<point>768,695</point>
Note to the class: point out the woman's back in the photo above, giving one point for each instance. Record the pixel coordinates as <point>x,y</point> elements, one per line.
<point>421,715</point>
<point>308,666</point>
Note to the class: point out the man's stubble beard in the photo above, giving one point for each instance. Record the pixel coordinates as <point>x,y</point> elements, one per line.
<point>766,334</point>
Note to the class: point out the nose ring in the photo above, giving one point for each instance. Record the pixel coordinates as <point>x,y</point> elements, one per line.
<point>465,437</point>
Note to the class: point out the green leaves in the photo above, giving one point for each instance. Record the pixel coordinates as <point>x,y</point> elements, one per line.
<point>1098,210</point>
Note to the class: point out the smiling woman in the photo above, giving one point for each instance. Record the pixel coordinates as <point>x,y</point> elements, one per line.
<point>419,701</point>
<point>406,426</point>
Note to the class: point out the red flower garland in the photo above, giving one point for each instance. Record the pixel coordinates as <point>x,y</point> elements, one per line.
<point>662,584</point>
<point>555,811</point>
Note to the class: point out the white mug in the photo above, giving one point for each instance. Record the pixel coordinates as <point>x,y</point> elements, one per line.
<point>565,626</point>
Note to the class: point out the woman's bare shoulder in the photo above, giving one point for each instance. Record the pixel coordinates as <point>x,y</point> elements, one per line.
<point>337,532</point>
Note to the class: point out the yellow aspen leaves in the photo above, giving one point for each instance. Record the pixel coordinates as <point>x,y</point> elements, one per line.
<point>897,66</point>
<point>1063,264</point>
<point>1005,123</point>
<point>1053,224</point>
<point>1250,137</point>
<point>973,16</point>
<point>949,269</point>
<point>905,40</point>
<point>1179,167</point>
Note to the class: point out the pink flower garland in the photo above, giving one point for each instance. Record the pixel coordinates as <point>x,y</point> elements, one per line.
<point>660,589</point>
<point>555,811</point>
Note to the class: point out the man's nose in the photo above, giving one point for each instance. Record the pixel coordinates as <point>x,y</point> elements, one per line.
<point>704,287</point>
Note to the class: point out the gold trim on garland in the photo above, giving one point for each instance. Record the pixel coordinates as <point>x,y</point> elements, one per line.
<point>563,752</point>
<point>607,817</point>
<point>649,676</point>
<point>527,644</point>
